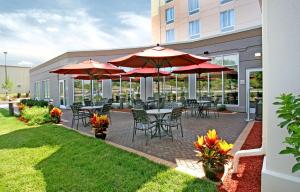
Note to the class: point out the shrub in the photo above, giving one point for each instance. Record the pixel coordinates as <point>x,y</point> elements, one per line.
<point>34,102</point>
<point>36,115</point>
<point>221,107</point>
<point>56,114</point>
<point>289,112</point>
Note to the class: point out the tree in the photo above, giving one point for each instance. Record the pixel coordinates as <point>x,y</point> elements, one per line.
<point>7,85</point>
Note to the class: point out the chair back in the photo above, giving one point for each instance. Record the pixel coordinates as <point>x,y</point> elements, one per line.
<point>176,113</point>
<point>139,104</point>
<point>87,102</point>
<point>140,116</point>
<point>216,102</point>
<point>106,108</point>
<point>75,109</point>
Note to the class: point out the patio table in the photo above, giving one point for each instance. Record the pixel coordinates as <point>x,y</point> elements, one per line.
<point>149,102</point>
<point>159,115</point>
<point>91,110</point>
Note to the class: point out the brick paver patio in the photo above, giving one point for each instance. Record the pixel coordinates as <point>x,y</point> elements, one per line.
<point>181,150</point>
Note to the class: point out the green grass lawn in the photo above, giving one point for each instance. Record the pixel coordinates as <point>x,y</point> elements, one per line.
<point>51,158</point>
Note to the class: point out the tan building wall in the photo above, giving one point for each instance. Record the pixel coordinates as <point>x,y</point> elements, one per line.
<point>247,15</point>
<point>18,75</point>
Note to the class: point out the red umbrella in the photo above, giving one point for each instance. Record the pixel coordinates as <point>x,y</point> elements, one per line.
<point>158,57</point>
<point>89,67</point>
<point>145,72</point>
<point>201,68</point>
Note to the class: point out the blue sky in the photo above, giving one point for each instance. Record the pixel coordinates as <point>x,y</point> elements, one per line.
<point>34,31</point>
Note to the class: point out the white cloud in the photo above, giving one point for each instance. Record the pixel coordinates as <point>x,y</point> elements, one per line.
<point>25,63</point>
<point>36,36</point>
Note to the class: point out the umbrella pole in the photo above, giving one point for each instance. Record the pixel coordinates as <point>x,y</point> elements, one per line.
<point>91,84</point>
<point>145,88</point>
<point>130,88</point>
<point>199,85</point>
<point>158,88</point>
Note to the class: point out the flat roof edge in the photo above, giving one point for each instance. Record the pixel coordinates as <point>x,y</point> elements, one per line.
<point>224,37</point>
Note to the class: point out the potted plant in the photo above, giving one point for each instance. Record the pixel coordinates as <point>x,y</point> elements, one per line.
<point>56,114</point>
<point>213,153</point>
<point>99,123</point>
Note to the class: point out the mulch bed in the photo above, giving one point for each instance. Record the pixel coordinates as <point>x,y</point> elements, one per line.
<point>248,177</point>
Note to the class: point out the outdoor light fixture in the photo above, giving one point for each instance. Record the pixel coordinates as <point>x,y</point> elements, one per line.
<point>205,52</point>
<point>258,54</point>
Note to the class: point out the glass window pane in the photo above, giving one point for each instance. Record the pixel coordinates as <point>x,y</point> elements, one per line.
<point>116,89</point>
<point>169,15</point>
<point>193,6</point>
<point>97,85</point>
<point>202,85</point>
<point>231,86</point>
<point>194,29</point>
<point>230,60</point>
<point>170,35</point>
<point>215,80</point>
<point>87,89</point>
<point>227,20</point>
<point>182,84</point>
<point>78,91</point>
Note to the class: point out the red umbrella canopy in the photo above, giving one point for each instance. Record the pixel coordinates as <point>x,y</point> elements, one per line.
<point>89,67</point>
<point>201,68</point>
<point>158,57</point>
<point>145,72</point>
<point>93,77</point>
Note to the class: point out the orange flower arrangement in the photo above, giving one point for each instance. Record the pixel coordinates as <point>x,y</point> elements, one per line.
<point>99,121</point>
<point>56,114</point>
<point>211,150</point>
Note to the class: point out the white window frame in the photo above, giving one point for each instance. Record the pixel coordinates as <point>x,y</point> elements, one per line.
<point>195,36</point>
<point>238,70</point>
<point>37,90</point>
<point>230,27</point>
<point>46,96</point>
<point>195,10</point>
<point>168,40</point>
<point>171,19</point>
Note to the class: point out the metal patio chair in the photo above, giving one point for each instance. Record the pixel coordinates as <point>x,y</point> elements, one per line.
<point>174,120</point>
<point>78,115</point>
<point>142,122</point>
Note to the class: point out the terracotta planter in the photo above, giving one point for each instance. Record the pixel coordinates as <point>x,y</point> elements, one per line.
<point>214,173</point>
<point>100,132</point>
<point>56,120</point>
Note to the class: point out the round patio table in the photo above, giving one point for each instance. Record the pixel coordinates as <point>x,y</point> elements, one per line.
<point>91,110</point>
<point>159,115</point>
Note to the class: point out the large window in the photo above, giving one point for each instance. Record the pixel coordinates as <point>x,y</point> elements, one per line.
<point>224,85</point>
<point>170,35</point>
<point>167,1</point>
<point>46,89</point>
<point>37,89</point>
<point>193,6</point>
<point>194,29</point>
<point>82,90</point>
<point>227,20</point>
<point>170,15</point>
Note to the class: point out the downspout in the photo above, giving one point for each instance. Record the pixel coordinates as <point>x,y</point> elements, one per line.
<point>249,153</point>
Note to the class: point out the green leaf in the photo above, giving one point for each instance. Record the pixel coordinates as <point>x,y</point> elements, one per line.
<point>288,150</point>
<point>298,159</point>
<point>296,167</point>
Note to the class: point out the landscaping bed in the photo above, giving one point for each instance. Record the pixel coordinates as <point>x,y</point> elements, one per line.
<point>51,158</point>
<point>248,177</point>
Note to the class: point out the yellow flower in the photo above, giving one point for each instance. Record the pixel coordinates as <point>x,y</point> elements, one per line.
<point>224,147</point>
<point>211,137</point>
<point>199,143</point>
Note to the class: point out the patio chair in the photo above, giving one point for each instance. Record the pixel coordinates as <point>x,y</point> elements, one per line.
<point>138,104</point>
<point>214,107</point>
<point>142,122</point>
<point>192,105</point>
<point>106,111</point>
<point>174,120</point>
<point>87,102</point>
<point>77,114</point>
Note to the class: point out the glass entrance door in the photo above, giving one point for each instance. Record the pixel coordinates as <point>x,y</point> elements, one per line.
<point>62,93</point>
<point>254,92</point>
